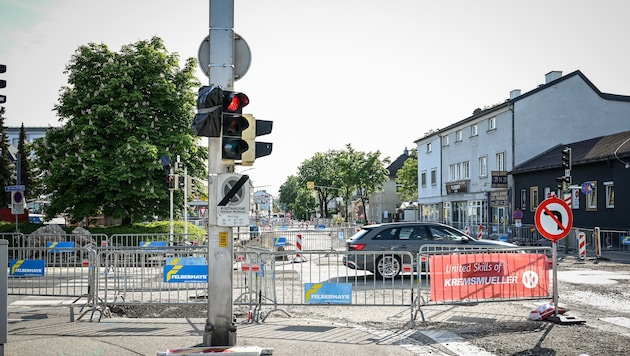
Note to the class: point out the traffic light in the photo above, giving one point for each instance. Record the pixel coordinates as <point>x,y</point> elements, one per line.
<point>181,182</point>
<point>256,149</point>
<point>563,183</point>
<point>234,124</point>
<point>170,181</point>
<point>207,122</point>
<point>566,158</point>
<point>3,84</point>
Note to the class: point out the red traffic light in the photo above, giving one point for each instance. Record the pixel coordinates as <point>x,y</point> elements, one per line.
<point>234,102</point>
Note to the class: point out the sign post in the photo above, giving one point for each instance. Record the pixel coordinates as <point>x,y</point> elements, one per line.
<point>554,220</point>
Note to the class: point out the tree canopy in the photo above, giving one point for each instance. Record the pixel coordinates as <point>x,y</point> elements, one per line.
<point>122,111</point>
<point>345,173</point>
<point>407,177</point>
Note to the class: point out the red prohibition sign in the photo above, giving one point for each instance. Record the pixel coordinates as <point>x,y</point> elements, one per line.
<point>554,219</point>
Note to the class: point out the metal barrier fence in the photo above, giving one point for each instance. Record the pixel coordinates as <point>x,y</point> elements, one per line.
<point>303,239</point>
<point>449,275</point>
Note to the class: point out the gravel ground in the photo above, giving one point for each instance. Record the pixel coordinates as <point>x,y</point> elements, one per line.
<point>500,328</point>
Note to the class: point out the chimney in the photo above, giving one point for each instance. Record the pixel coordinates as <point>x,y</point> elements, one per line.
<point>514,93</point>
<point>553,75</point>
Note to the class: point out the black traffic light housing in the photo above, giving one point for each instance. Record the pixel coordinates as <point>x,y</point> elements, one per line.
<point>233,125</point>
<point>566,158</point>
<point>3,84</point>
<point>170,181</point>
<point>181,182</point>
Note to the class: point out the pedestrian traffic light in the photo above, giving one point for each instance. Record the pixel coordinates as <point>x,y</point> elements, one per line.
<point>234,124</point>
<point>3,84</point>
<point>170,181</point>
<point>566,158</point>
<point>256,149</point>
<point>207,122</point>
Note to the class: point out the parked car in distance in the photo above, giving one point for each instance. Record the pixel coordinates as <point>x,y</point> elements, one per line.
<point>397,238</point>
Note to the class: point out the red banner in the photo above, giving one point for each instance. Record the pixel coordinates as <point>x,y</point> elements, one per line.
<point>481,276</point>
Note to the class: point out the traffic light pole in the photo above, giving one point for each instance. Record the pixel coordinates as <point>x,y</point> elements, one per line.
<point>220,329</point>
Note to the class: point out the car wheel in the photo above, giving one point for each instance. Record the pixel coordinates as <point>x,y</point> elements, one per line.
<point>387,267</point>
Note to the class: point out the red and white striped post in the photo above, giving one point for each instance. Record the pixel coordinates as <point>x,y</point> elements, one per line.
<point>467,230</point>
<point>581,244</point>
<point>298,246</point>
<point>480,232</point>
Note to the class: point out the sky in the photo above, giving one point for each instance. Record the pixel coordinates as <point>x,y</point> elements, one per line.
<point>374,74</point>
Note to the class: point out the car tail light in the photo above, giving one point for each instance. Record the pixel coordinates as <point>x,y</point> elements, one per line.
<point>356,247</point>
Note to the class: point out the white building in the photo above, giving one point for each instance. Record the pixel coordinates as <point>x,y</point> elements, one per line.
<point>463,169</point>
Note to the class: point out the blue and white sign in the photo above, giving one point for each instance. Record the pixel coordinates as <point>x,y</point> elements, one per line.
<point>280,241</point>
<point>328,293</point>
<point>26,268</point>
<point>12,188</point>
<point>186,261</point>
<point>152,243</point>
<point>61,246</point>
<point>186,273</point>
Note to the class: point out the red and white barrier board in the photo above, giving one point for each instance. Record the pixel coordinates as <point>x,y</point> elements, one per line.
<point>475,276</point>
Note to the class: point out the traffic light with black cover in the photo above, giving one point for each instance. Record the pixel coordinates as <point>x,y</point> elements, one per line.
<point>207,122</point>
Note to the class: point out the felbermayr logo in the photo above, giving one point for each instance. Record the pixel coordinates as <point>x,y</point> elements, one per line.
<point>314,289</point>
<point>16,265</point>
<point>173,272</point>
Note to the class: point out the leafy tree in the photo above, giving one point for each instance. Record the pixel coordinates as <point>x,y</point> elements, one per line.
<point>25,166</point>
<point>320,169</point>
<point>123,111</point>
<point>6,168</point>
<point>407,177</point>
<point>346,172</point>
<point>365,172</point>
<point>297,198</point>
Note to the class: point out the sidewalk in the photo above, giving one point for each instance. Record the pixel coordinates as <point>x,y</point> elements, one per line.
<point>48,331</point>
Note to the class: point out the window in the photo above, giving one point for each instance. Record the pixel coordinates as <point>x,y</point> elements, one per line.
<point>500,161</point>
<point>433,177</point>
<point>483,166</point>
<point>523,199</point>
<point>445,141</point>
<point>591,198</point>
<point>492,123</point>
<point>473,130</point>
<point>610,194</point>
<point>451,172</point>
<point>429,147</point>
<point>458,136</point>
<point>465,170</point>
<point>423,179</point>
<point>533,198</point>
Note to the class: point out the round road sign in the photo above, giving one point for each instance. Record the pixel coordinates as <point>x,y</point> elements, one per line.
<point>553,219</point>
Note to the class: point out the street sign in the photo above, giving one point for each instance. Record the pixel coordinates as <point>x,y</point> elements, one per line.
<point>12,188</point>
<point>233,198</point>
<point>242,56</point>
<point>17,201</point>
<point>554,219</point>
<point>518,214</point>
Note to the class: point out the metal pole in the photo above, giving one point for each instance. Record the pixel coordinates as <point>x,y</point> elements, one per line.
<point>185,201</point>
<point>220,330</point>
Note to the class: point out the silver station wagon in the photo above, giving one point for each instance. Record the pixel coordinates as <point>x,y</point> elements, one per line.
<point>395,238</point>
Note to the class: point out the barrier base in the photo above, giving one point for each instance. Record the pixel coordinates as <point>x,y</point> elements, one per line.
<point>299,259</point>
<point>566,319</point>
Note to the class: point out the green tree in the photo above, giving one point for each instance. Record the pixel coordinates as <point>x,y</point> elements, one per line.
<point>297,198</point>
<point>25,166</point>
<point>407,177</point>
<point>123,111</point>
<point>365,172</point>
<point>320,169</point>
<point>6,168</point>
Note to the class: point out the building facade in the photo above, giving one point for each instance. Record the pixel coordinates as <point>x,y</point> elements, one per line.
<point>464,169</point>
